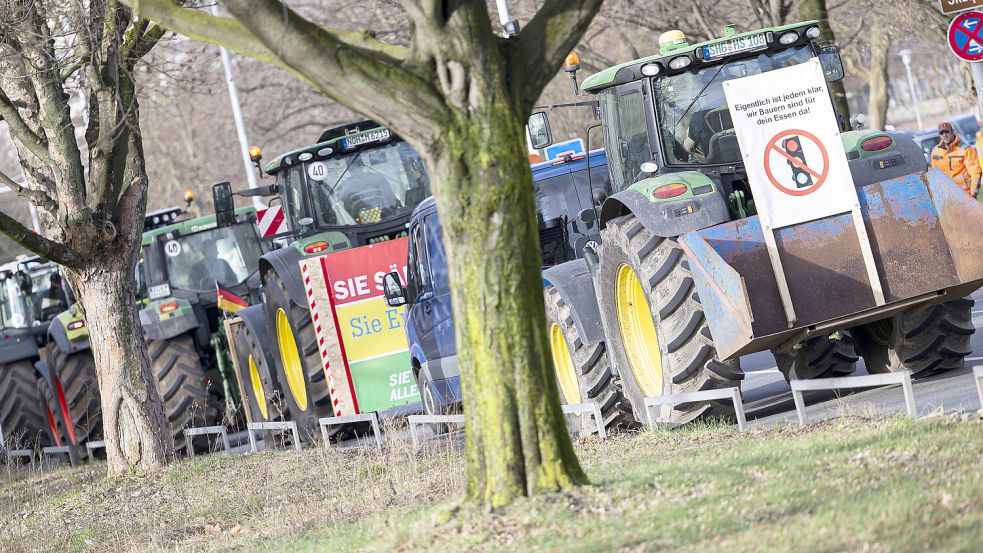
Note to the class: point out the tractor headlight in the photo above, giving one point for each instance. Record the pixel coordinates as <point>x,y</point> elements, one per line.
<point>812,32</point>
<point>788,38</point>
<point>680,62</point>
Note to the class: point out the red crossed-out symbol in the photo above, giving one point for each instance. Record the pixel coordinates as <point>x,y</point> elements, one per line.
<point>775,148</point>
<point>965,38</point>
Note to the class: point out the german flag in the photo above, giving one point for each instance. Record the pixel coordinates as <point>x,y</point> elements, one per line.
<point>227,301</point>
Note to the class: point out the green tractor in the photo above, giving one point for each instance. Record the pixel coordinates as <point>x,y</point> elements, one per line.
<point>357,185</point>
<point>182,264</point>
<point>31,294</point>
<point>684,281</point>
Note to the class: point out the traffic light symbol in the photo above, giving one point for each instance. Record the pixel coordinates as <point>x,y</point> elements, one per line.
<point>793,147</point>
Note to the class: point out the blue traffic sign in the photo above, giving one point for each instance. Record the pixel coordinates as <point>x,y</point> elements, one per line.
<point>573,147</point>
<point>966,36</point>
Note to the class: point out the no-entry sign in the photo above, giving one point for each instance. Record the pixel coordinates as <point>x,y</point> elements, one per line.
<point>966,36</point>
<point>790,140</point>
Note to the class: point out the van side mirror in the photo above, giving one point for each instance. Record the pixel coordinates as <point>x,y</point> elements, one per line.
<point>225,209</point>
<point>538,127</point>
<point>829,58</point>
<point>395,293</point>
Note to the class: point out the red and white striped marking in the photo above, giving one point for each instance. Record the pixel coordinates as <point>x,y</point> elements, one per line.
<point>321,343</point>
<point>271,221</point>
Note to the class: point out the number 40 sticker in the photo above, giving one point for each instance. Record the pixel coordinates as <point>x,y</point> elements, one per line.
<point>172,248</point>
<point>316,171</point>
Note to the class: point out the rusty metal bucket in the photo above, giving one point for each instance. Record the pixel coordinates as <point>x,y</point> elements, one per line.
<point>925,235</point>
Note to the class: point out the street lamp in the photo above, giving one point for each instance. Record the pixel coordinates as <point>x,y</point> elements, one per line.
<point>906,59</point>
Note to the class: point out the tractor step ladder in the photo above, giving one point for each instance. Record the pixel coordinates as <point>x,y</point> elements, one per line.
<point>254,427</point>
<point>59,450</point>
<point>733,394</point>
<point>206,431</point>
<point>868,381</point>
<point>350,419</point>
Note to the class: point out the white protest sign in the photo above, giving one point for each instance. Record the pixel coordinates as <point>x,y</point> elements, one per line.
<point>790,140</point>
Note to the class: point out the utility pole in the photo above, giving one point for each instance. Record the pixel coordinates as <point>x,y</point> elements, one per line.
<point>977,70</point>
<point>509,26</point>
<point>906,59</point>
<point>240,124</point>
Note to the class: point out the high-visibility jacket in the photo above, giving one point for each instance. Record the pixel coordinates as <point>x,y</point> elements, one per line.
<point>961,164</point>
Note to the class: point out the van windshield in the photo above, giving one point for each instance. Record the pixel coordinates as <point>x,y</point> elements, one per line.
<point>699,130</point>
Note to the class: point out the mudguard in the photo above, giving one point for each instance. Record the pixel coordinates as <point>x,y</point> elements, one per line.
<point>160,325</point>
<point>925,238</point>
<point>17,344</point>
<point>576,286</point>
<point>254,317</point>
<point>903,158</point>
<point>667,219</point>
<point>68,341</point>
<point>286,263</point>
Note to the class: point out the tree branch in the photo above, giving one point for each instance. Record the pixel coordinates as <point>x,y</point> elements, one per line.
<point>36,243</point>
<point>35,143</point>
<point>539,50</point>
<point>39,197</point>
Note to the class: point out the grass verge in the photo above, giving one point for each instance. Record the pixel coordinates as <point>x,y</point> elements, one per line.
<point>850,484</point>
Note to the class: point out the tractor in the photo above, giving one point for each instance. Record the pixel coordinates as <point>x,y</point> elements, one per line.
<point>182,264</point>
<point>31,294</point>
<point>357,185</point>
<point>683,280</point>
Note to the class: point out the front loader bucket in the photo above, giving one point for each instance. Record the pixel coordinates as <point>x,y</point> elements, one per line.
<point>925,235</point>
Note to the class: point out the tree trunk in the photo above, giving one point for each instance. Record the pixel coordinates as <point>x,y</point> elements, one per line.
<point>817,10</point>
<point>517,440</point>
<point>136,430</point>
<point>877,75</point>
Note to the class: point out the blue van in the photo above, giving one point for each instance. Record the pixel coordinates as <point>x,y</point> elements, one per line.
<point>562,194</point>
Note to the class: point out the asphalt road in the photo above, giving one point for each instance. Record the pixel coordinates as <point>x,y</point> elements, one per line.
<point>768,398</point>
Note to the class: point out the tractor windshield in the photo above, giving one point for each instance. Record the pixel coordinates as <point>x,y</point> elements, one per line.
<point>31,295</point>
<point>227,255</point>
<point>369,186</point>
<point>14,307</point>
<point>694,121</point>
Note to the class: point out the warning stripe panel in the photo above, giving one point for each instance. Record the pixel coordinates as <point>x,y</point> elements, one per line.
<point>271,221</point>
<point>319,333</point>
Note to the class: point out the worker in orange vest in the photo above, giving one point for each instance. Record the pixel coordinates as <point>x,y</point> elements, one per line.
<point>960,163</point>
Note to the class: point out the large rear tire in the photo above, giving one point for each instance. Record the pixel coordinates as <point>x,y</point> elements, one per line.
<point>25,425</point>
<point>297,360</point>
<point>658,335</point>
<point>181,382</point>
<point>76,374</point>
<point>923,340</point>
<point>819,357</point>
<point>583,371</point>
<point>263,397</point>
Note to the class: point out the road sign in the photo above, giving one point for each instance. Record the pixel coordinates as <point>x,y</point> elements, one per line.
<point>570,147</point>
<point>966,36</point>
<point>950,7</point>
<point>789,138</point>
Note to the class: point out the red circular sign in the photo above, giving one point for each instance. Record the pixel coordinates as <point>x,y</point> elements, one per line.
<point>966,36</point>
<point>801,167</point>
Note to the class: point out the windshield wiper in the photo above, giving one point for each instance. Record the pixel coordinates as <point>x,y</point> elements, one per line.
<point>699,94</point>
<point>342,175</point>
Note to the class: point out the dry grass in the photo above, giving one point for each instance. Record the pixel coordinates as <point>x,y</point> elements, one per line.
<point>850,484</point>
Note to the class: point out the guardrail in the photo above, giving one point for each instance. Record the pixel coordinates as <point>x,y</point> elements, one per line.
<point>978,377</point>
<point>206,431</point>
<point>733,394</point>
<point>868,381</point>
<point>351,419</point>
<point>253,427</point>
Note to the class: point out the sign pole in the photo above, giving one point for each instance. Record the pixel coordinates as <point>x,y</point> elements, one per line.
<point>977,70</point>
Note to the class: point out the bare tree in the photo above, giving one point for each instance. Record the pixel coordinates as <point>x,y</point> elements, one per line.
<point>89,187</point>
<point>460,95</point>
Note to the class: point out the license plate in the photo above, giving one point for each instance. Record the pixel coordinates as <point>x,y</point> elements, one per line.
<point>159,291</point>
<point>380,135</point>
<point>741,44</point>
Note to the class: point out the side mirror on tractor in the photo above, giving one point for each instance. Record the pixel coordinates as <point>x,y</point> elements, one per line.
<point>829,58</point>
<point>395,293</point>
<point>225,209</point>
<point>538,127</point>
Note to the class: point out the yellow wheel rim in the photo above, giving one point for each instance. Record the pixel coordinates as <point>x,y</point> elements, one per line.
<point>293,366</point>
<point>565,373</point>
<point>258,392</point>
<point>638,332</point>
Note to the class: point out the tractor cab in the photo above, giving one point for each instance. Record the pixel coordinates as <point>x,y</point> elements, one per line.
<point>32,293</point>
<point>665,118</point>
<point>357,185</point>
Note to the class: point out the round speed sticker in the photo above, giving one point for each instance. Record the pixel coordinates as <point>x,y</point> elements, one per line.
<point>317,171</point>
<point>172,248</point>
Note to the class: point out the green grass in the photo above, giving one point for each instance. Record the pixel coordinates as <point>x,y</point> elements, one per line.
<point>845,485</point>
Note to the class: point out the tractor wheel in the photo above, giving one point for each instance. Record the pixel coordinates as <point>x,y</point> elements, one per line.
<point>297,360</point>
<point>263,397</point>
<point>182,385</point>
<point>76,375</point>
<point>583,371</point>
<point>660,342</point>
<point>923,340</point>
<point>23,421</point>
<point>819,357</point>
